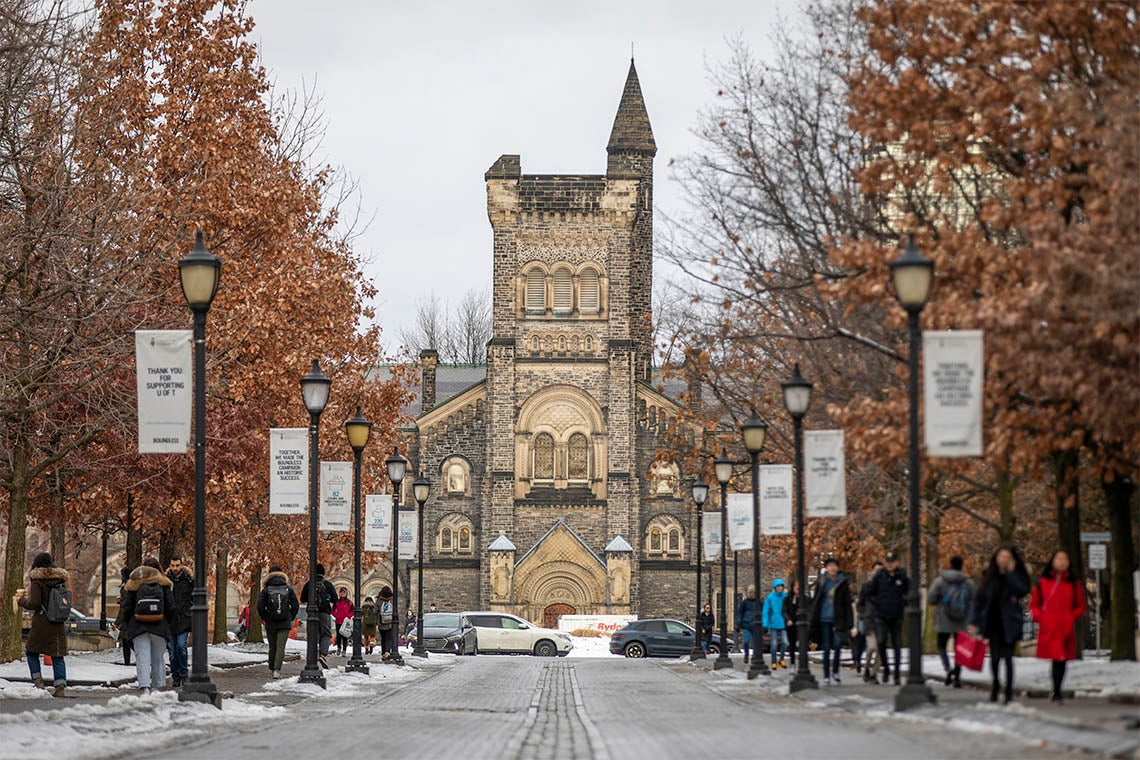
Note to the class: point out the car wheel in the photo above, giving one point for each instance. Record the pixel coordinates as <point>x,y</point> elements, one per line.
<point>474,649</point>
<point>635,650</point>
<point>714,649</point>
<point>545,649</point>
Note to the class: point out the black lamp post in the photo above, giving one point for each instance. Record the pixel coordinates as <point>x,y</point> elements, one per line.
<point>200,272</point>
<point>421,487</point>
<point>797,399</point>
<point>315,393</point>
<point>723,467</point>
<point>359,431</point>
<point>700,492</point>
<point>912,274</point>
<point>755,432</point>
<point>397,467</point>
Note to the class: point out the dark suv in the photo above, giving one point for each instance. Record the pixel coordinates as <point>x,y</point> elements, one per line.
<point>658,638</point>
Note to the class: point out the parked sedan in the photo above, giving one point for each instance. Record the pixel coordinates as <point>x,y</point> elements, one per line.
<point>448,632</point>
<point>658,638</point>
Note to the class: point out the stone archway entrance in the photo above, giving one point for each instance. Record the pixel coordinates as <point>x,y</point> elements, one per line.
<point>551,614</point>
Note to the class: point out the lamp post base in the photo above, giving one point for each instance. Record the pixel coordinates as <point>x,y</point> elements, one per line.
<point>419,651</point>
<point>913,695</point>
<point>356,666</point>
<point>313,676</point>
<point>722,661</point>
<point>758,668</point>
<point>200,691</point>
<point>696,654</point>
<point>802,682</point>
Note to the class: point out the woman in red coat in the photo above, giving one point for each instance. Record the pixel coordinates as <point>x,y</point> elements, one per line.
<point>1058,601</point>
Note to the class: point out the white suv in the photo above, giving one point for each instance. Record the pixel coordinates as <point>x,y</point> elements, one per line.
<point>501,632</point>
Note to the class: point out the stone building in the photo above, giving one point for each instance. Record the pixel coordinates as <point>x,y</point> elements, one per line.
<point>546,496</point>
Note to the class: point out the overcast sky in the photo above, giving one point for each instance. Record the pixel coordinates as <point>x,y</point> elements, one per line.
<point>420,99</point>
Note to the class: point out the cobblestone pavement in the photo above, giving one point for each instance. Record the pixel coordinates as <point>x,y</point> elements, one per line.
<point>523,707</point>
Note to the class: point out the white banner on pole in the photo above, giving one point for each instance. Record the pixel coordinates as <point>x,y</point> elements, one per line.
<point>740,521</point>
<point>378,522</point>
<point>163,377</point>
<point>776,499</point>
<point>408,526</point>
<point>710,526</point>
<point>825,476</point>
<point>952,375</point>
<point>288,471</point>
<point>336,499</point>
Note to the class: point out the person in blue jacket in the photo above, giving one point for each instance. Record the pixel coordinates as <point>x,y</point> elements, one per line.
<point>772,618</point>
<point>745,617</point>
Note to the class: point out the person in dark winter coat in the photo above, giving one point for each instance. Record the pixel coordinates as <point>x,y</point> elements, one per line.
<point>791,621</point>
<point>183,589</point>
<point>1057,603</point>
<point>887,594</point>
<point>325,598</point>
<point>277,606</point>
<point>746,613</point>
<point>707,622</point>
<point>386,625</point>
<point>831,610</point>
<point>45,637</point>
<point>150,596</point>
<point>996,614</point>
<point>952,594</point>
<point>865,623</point>
<point>120,622</point>
<point>368,624</point>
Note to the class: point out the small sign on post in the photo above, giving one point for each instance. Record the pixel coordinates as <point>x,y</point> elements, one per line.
<point>1098,557</point>
<point>1095,537</point>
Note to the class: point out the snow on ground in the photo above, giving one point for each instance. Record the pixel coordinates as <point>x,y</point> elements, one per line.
<point>1088,677</point>
<point>341,684</point>
<point>586,646</point>
<point>80,669</point>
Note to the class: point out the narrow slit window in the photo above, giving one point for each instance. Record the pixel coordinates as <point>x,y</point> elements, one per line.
<point>445,539</point>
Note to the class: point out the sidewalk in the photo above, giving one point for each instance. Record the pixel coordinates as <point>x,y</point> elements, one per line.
<point>1094,724</point>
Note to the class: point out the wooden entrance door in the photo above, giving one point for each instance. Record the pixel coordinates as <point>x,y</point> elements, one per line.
<point>551,614</point>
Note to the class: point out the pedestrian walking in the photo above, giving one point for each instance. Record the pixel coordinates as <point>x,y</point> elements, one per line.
<point>865,622</point>
<point>325,598</point>
<point>707,622</point>
<point>149,610</point>
<point>49,600</point>
<point>120,622</point>
<point>386,625</point>
<point>243,623</point>
<point>343,610</point>
<point>952,595</point>
<point>278,606</point>
<point>405,635</point>
<point>746,613</point>
<point>791,621</point>
<point>996,614</point>
<point>183,591</point>
<point>1057,603</point>
<point>772,618</point>
<point>831,610</point>
<point>887,593</point>
<point>368,624</point>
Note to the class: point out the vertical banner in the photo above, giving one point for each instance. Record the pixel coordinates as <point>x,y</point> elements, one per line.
<point>825,476</point>
<point>378,522</point>
<point>776,499</point>
<point>408,524</point>
<point>740,521</point>
<point>288,471</point>
<point>952,375</point>
<point>710,525</point>
<point>336,496</point>
<point>163,378</point>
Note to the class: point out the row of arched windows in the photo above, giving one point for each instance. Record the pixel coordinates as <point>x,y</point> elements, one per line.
<point>576,465</point>
<point>550,343</point>
<point>562,291</point>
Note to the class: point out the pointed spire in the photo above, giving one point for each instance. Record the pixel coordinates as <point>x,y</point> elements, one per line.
<point>631,130</point>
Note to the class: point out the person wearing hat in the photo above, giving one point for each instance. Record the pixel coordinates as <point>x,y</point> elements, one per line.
<point>772,618</point>
<point>745,617</point>
<point>887,595</point>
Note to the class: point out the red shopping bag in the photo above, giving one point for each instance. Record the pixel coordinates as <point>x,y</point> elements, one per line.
<point>969,651</point>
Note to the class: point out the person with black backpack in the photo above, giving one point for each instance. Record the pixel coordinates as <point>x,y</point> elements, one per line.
<point>149,609</point>
<point>952,594</point>
<point>326,597</point>
<point>278,606</point>
<point>49,600</point>
<point>386,625</point>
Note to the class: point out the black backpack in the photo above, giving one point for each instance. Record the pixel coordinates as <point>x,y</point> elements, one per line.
<point>58,609</point>
<point>956,601</point>
<point>150,606</point>
<point>277,604</point>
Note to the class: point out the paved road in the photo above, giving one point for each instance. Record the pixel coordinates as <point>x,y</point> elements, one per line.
<point>522,707</point>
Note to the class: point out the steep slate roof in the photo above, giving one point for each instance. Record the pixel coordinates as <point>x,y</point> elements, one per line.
<point>546,535</point>
<point>631,129</point>
<point>450,381</point>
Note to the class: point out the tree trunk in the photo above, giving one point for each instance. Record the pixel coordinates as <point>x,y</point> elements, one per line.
<point>59,541</point>
<point>11,647</point>
<point>254,636</point>
<point>221,584</point>
<point>1066,486</point>
<point>134,536</point>
<point>1122,626</point>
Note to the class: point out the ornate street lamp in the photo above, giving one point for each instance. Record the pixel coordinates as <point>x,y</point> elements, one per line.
<point>913,274</point>
<point>315,394</point>
<point>397,468</point>
<point>755,433</point>
<point>200,272</point>
<point>421,487</point>
<point>359,431</point>
<point>700,493</point>
<point>723,468</point>
<point>797,399</point>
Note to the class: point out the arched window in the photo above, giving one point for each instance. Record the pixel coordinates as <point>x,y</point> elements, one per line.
<point>563,291</point>
<point>535,343</point>
<point>456,478</point>
<point>561,342</point>
<point>655,540</point>
<point>578,465</point>
<point>445,539</point>
<point>454,534</point>
<point>674,541</point>
<point>589,342</point>
<point>544,457</point>
<point>588,297</point>
<point>665,536</point>
<point>464,539</point>
<point>535,292</point>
